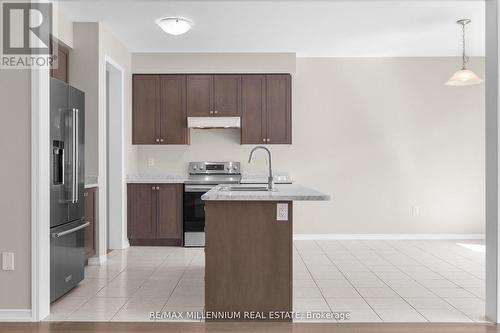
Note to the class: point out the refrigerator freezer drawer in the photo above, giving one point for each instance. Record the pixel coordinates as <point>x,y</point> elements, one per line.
<point>67,257</point>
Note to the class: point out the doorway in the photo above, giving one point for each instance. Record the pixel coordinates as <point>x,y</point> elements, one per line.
<point>114,229</point>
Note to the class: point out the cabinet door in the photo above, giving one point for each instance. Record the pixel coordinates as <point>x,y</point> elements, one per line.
<point>60,70</point>
<point>173,109</point>
<point>146,109</point>
<point>89,243</point>
<point>142,214</point>
<point>278,107</point>
<point>253,109</point>
<point>199,95</point>
<point>227,95</point>
<point>170,211</point>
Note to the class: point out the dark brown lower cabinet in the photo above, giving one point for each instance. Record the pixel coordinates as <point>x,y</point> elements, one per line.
<point>90,196</point>
<point>154,214</point>
<point>248,258</point>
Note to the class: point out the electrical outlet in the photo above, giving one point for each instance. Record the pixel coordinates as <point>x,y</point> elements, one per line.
<point>8,261</point>
<point>151,162</point>
<point>282,212</point>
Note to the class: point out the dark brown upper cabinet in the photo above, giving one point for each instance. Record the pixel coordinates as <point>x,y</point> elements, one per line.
<point>154,214</point>
<point>227,95</point>
<point>146,109</point>
<point>266,109</point>
<point>213,95</point>
<point>60,69</point>
<point>159,109</point>
<point>279,109</point>
<point>253,109</point>
<point>200,95</point>
<point>173,110</point>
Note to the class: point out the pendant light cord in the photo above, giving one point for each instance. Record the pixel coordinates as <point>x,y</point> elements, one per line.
<point>465,58</point>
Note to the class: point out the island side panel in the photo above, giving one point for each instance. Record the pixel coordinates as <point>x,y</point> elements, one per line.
<point>248,257</point>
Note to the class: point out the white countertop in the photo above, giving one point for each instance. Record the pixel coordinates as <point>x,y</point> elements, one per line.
<point>156,178</point>
<point>261,179</point>
<point>91,181</point>
<point>176,179</point>
<point>284,192</point>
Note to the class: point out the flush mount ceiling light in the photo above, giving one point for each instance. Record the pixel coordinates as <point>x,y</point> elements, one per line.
<point>464,77</point>
<point>174,25</point>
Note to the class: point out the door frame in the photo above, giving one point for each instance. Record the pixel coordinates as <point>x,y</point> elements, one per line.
<point>113,163</point>
<point>40,175</point>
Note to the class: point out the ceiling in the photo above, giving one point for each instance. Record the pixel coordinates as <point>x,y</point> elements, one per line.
<point>308,28</point>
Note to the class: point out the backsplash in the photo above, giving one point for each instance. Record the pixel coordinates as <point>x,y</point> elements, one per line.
<point>209,145</point>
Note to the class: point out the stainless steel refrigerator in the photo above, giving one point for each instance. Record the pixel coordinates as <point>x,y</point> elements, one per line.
<point>67,208</point>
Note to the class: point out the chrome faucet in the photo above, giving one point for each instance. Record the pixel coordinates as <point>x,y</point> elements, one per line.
<point>270,179</point>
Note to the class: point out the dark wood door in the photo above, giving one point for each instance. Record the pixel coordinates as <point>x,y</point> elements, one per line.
<point>142,211</point>
<point>227,95</point>
<point>90,216</point>
<point>173,109</point>
<point>200,95</point>
<point>278,107</point>
<point>146,109</point>
<point>253,109</point>
<point>170,211</point>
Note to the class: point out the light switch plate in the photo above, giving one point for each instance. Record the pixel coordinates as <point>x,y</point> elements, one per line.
<point>282,212</point>
<point>8,261</point>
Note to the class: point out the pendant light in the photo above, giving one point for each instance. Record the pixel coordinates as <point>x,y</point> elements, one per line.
<point>464,77</point>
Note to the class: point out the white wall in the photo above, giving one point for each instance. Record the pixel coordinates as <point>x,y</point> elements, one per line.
<point>112,49</point>
<point>62,27</point>
<point>84,74</point>
<point>380,135</point>
<point>15,199</point>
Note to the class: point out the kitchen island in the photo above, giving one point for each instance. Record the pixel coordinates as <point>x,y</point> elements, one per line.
<point>248,251</point>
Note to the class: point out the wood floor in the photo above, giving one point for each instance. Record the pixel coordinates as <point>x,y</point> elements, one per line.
<point>103,327</point>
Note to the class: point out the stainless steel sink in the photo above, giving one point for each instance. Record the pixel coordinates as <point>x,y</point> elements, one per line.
<point>243,188</point>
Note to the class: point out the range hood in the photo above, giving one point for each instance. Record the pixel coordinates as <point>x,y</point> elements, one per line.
<point>213,122</point>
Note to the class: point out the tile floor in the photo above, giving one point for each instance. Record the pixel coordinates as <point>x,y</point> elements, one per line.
<point>374,281</point>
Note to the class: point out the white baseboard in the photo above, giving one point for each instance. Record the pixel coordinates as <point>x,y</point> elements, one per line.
<point>384,236</point>
<point>15,315</point>
<point>97,261</point>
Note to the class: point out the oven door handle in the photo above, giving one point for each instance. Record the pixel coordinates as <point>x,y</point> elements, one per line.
<point>198,188</point>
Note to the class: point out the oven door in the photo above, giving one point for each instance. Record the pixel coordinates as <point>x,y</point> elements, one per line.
<point>194,215</point>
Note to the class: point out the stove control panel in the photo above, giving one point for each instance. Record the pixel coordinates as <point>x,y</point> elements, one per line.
<point>214,168</point>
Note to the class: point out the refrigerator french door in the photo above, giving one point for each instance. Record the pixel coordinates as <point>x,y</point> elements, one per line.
<point>67,208</point>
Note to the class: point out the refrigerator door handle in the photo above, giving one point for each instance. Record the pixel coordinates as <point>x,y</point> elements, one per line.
<point>74,184</point>
<point>67,232</point>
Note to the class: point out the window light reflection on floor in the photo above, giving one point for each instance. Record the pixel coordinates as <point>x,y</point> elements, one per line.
<point>473,247</point>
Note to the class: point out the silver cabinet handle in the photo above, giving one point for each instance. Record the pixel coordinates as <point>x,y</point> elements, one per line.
<point>211,112</point>
<point>157,188</point>
<point>161,140</point>
<point>216,112</point>
<point>153,188</point>
<point>268,140</point>
<point>264,140</point>
<point>67,232</point>
<point>157,140</point>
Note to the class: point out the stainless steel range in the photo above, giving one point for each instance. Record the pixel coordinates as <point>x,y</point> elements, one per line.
<point>203,176</point>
